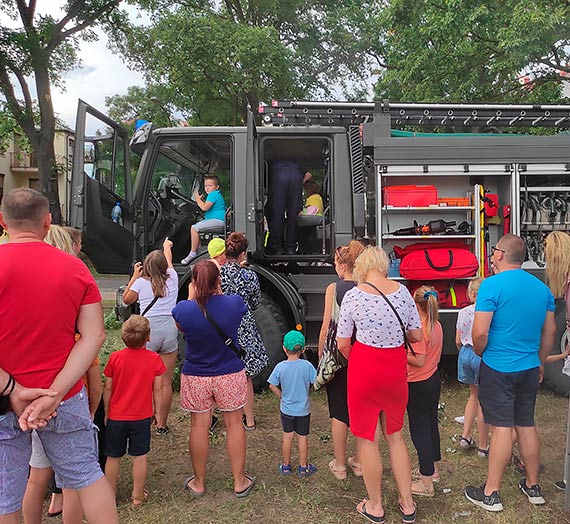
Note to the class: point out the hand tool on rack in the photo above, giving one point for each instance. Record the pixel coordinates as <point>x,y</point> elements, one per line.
<point>433,227</point>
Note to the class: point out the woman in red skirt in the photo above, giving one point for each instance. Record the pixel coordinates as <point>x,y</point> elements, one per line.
<point>377,371</point>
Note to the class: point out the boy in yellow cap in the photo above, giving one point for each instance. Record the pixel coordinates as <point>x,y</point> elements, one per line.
<point>290,381</point>
<point>216,250</point>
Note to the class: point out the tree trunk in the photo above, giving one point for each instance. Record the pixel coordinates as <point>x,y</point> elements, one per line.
<point>48,175</point>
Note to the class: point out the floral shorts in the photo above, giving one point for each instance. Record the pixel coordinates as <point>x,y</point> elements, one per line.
<point>200,394</point>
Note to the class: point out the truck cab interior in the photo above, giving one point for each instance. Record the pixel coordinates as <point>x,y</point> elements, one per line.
<point>312,154</point>
<point>178,172</point>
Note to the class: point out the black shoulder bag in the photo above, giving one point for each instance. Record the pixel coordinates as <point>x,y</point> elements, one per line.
<point>153,302</point>
<point>407,344</point>
<point>227,340</point>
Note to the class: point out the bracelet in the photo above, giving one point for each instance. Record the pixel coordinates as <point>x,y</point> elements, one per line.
<point>10,385</point>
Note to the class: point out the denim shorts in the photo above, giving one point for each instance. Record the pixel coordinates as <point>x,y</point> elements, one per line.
<point>299,425</point>
<point>508,399</point>
<point>69,441</point>
<point>468,364</point>
<point>135,433</point>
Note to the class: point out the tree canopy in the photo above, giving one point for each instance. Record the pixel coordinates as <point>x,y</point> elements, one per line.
<point>36,50</point>
<point>473,50</point>
<point>213,59</point>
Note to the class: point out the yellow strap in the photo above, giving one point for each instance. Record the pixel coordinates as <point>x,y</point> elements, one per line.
<point>453,296</point>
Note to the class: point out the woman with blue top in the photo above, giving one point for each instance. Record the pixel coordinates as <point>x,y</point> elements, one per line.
<point>214,209</point>
<point>213,374</point>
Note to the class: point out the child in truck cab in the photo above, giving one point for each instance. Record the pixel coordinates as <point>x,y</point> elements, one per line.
<point>313,201</point>
<point>214,209</point>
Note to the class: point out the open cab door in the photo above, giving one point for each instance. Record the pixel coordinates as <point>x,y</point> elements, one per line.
<point>255,224</point>
<point>101,179</point>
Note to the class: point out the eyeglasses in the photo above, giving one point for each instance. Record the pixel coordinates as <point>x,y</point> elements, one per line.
<point>495,248</point>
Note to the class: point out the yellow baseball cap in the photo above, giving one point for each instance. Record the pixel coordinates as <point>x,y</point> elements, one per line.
<point>216,247</point>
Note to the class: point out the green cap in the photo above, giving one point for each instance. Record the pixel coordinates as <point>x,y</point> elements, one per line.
<point>294,341</point>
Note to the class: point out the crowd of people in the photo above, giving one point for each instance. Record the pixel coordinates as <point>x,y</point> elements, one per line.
<point>373,327</point>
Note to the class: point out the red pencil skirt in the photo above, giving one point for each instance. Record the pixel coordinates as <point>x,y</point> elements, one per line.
<point>377,381</point>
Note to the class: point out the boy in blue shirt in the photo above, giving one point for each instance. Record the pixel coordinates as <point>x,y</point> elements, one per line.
<point>214,209</point>
<point>290,381</point>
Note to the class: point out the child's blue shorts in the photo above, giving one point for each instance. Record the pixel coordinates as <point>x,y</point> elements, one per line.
<point>468,365</point>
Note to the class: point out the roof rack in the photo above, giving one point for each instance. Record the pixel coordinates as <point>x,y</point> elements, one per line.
<point>298,112</point>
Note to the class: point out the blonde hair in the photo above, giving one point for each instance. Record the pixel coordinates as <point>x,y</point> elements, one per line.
<point>135,331</point>
<point>75,234</point>
<point>473,286</point>
<point>425,298</point>
<point>371,258</point>
<point>348,254</point>
<point>58,237</point>
<point>154,268</point>
<point>557,256</point>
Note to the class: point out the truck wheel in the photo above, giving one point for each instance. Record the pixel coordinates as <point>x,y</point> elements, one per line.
<point>554,380</point>
<point>272,326</point>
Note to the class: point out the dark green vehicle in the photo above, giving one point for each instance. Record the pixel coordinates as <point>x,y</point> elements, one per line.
<point>356,155</point>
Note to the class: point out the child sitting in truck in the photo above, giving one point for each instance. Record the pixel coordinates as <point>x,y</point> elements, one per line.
<point>313,201</point>
<point>214,209</point>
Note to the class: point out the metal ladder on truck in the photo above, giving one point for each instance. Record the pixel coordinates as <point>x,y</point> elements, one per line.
<point>432,115</point>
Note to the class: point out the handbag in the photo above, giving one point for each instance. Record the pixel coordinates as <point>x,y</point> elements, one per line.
<point>439,264</point>
<point>407,344</point>
<point>227,340</point>
<point>332,359</point>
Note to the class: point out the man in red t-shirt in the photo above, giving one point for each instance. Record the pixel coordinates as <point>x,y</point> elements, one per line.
<point>45,296</point>
<point>133,378</point>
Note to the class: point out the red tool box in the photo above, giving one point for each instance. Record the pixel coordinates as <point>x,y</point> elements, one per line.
<point>409,196</point>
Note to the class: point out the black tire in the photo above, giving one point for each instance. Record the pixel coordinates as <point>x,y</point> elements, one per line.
<point>272,326</point>
<point>554,380</point>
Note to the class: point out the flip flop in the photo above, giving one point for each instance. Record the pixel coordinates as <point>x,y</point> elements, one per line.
<point>244,493</point>
<point>193,492</point>
<point>137,503</point>
<point>369,516</point>
<point>55,513</point>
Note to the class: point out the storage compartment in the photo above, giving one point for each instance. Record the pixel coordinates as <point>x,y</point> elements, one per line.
<point>409,196</point>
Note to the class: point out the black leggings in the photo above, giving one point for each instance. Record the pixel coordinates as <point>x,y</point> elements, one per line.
<point>423,402</point>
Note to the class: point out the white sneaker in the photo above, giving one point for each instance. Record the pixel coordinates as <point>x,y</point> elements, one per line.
<point>185,261</point>
<point>459,420</point>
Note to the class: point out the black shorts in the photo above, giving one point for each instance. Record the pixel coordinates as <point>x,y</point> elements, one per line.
<point>299,425</point>
<point>508,399</point>
<point>134,432</point>
<point>337,396</point>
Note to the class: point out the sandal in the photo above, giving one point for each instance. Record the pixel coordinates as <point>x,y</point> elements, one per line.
<point>338,471</point>
<point>193,492</point>
<point>483,452</point>
<point>372,518</point>
<point>356,467</point>
<point>467,443</point>
<point>137,502</point>
<point>419,488</point>
<point>436,477</point>
<point>407,518</point>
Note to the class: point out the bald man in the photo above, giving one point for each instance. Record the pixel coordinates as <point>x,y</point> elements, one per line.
<point>513,331</point>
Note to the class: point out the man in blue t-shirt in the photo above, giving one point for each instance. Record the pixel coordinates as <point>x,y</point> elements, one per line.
<point>513,331</point>
<point>214,209</point>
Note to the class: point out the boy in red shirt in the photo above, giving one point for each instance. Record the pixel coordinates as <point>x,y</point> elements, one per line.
<point>133,377</point>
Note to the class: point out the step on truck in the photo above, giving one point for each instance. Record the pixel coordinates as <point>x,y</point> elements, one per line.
<point>403,190</point>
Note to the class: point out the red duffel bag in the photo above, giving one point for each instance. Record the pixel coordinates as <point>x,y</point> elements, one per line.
<point>449,294</point>
<point>439,264</point>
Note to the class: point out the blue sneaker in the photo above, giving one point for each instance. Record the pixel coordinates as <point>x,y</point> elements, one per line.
<point>306,471</point>
<point>284,469</point>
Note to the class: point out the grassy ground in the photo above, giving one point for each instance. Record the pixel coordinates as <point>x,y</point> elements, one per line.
<point>322,498</point>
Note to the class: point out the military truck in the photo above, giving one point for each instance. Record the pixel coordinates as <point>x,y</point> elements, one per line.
<point>486,183</point>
